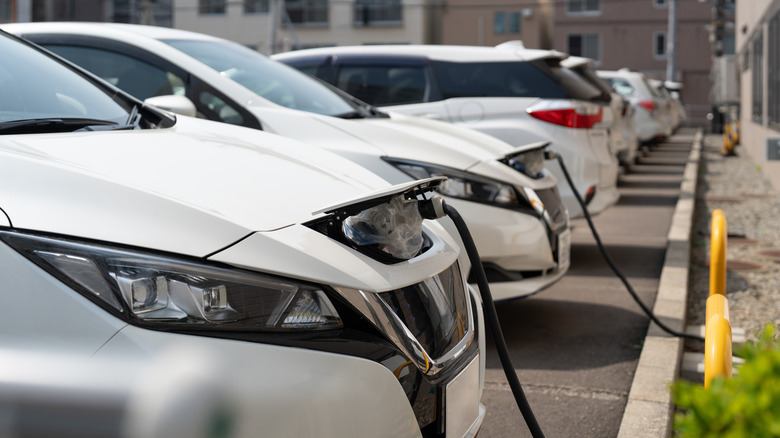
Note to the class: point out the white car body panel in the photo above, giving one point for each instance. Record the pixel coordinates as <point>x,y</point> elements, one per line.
<point>507,120</point>
<point>303,403</point>
<point>649,126</point>
<point>73,323</point>
<point>115,168</point>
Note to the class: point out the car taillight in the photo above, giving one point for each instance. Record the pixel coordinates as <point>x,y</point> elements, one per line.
<point>649,105</point>
<point>567,113</point>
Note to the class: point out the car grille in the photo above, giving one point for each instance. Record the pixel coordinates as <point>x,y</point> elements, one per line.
<point>554,207</point>
<point>434,311</point>
<point>430,321</point>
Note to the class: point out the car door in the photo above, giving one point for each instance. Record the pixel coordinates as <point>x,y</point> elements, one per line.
<point>144,74</point>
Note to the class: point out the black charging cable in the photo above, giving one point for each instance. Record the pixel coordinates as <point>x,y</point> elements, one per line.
<point>492,320</point>
<point>550,155</point>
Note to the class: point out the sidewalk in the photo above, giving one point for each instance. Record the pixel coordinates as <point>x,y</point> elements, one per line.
<point>648,413</point>
<point>751,206</point>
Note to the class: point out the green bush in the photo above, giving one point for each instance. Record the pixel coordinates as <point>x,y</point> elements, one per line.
<point>747,405</point>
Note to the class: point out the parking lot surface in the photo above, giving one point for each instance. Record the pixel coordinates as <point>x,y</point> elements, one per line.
<point>576,346</point>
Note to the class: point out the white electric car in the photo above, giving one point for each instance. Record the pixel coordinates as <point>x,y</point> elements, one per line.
<point>505,193</point>
<point>622,134</point>
<point>126,231</point>
<point>650,112</point>
<point>515,94</point>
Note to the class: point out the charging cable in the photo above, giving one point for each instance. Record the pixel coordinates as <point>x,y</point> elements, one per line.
<point>549,154</point>
<point>437,208</point>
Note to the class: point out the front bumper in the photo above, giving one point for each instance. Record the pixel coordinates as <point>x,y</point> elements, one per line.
<point>278,391</point>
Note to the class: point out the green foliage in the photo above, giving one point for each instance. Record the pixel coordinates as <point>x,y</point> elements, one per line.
<point>747,405</point>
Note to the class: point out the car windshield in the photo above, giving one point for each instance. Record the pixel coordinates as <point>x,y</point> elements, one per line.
<point>39,92</point>
<point>270,79</point>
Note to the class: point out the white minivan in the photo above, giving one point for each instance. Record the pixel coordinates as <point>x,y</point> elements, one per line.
<point>126,231</point>
<point>515,94</point>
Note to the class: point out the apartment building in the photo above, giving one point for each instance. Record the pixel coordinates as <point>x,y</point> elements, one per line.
<point>475,23</point>
<point>616,33</point>
<point>633,34</point>
<point>758,52</point>
<point>156,12</point>
<point>271,26</point>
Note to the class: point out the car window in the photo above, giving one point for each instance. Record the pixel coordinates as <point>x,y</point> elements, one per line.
<point>382,85</point>
<point>218,109</point>
<point>510,79</point>
<point>589,75</point>
<point>139,78</point>
<point>272,80</point>
<point>622,87</point>
<point>35,86</point>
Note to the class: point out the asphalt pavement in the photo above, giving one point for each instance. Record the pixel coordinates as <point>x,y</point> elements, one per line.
<point>590,362</point>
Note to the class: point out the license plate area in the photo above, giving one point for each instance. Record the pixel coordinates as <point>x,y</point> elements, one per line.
<point>564,249</point>
<point>461,400</point>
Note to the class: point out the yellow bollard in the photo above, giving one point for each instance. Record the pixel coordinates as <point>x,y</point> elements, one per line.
<point>717,332</point>
<point>717,339</point>
<point>718,236</point>
<point>728,143</point>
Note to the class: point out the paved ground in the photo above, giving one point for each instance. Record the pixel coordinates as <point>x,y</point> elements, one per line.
<point>576,347</point>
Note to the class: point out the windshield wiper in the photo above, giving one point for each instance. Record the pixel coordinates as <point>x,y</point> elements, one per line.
<point>52,125</point>
<point>352,115</point>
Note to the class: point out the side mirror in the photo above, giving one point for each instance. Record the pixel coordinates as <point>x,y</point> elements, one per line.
<point>175,104</point>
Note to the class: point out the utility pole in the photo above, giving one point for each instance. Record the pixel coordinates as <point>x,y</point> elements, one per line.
<point>718,28</point>
<point>273,15</point>
<point>671,40</point>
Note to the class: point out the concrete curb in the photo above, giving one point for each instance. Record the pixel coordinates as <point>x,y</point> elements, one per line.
<point>649,410</point>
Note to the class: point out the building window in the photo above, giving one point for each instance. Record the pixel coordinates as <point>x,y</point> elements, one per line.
<point>758,78</point>
<point>307,11</point>
<point>504,22</point>
<point>6,11</point>
<point>211,6</point>
<point>499,23</point>
<point>583,7</point>
<point>514,22</point>
<point>660,4</point>
<point>773,72</point>
<point>256,6</point>
<point>378,12</point>
<point>585,44</point>
<point>659,45</point>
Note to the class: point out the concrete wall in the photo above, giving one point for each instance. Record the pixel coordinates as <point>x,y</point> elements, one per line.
<point>751,16</point>
<point>465,22</point>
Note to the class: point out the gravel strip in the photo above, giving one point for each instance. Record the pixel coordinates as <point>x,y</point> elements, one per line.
<point>736,185</point>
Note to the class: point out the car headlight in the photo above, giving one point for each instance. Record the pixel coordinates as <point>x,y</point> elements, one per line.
<point>395,227</point>
<point>150,289</point>
<point>530,163</point>
<point>464,185</point>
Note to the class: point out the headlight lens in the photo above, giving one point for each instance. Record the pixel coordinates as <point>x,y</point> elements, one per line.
<point>464,185</point>
<point>530,163</point>
<point>156,290</point>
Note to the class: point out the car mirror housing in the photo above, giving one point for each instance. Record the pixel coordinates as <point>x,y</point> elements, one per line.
<point>175,104</point>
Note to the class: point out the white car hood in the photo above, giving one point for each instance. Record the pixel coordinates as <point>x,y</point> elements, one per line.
<point>400,136</point>
<point>192,189</point>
